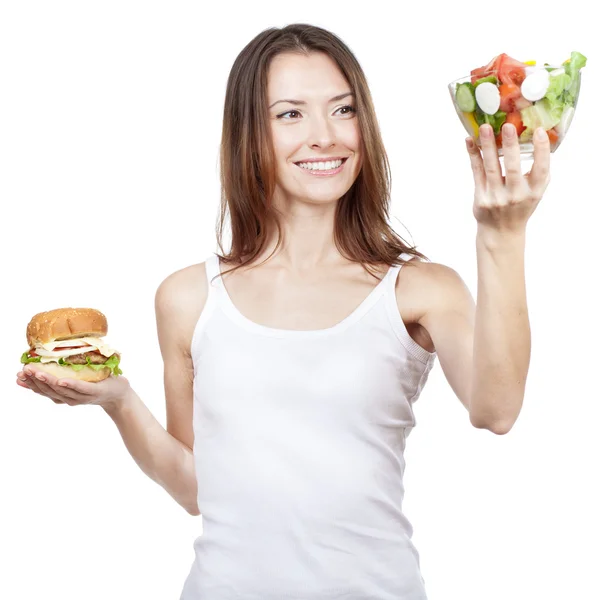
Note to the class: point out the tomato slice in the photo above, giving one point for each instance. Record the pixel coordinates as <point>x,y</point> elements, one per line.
<point>505,68</point>
<point>515,119</point>
<point>552,135</point>
<point>509,92</point>
<point>478,74</point>
<point>510,70</point>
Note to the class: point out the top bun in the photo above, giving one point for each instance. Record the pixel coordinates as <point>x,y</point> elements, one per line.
<point>65,324</point>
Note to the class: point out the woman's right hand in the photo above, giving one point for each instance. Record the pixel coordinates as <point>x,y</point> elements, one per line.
<point>107,393</point>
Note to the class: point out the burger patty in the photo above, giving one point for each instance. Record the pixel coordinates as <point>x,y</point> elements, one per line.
<point>95,358</point>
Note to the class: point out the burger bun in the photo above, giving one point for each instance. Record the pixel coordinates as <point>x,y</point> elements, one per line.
<point>65,324</point>
<point>85,374</point>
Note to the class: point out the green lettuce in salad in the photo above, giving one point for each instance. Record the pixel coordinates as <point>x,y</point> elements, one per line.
<point>112,363</point>
<point>561,93</point>
<point>563,88</point>
<point>496,120</point>
<point>553,111</point>
<point>559,84</point>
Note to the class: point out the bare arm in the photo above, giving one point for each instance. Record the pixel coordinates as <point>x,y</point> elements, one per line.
<point>483,348</point>
<point>166,455</point>
<point>502,339</point>
<point>160,455</point>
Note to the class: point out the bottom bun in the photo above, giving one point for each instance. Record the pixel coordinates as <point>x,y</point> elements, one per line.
<point>85,374</point>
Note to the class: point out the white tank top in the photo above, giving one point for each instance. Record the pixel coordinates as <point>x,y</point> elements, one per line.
<point>298,446</point>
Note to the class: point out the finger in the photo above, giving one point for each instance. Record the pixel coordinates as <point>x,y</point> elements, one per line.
<point>84,388</point>
<point>70,389</point>
<point>81,387</point>
<point>540,171</point>
<point>73,385</point>
<point>31,381</point>
<point>64,390</point>
<point>491,162</point>
<point>30,384</point>
<point>42,382</point>
<point>476,163</point>
<point>512,157</point>
<point>35,379</point>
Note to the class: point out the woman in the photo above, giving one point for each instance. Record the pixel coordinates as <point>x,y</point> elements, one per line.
<point>290,380</point>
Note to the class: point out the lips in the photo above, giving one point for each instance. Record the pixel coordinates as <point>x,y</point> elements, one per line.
<point>343,159</point>
<point>322,173</point>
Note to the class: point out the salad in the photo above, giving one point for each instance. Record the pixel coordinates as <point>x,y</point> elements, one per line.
<point>509,91</point>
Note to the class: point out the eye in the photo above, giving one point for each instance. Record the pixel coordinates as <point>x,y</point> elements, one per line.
<point>290,112</point>
<point>350,107</point>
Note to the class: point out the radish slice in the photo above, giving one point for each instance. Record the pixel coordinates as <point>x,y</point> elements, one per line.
<point>535,86</point>
<point>488,97</point>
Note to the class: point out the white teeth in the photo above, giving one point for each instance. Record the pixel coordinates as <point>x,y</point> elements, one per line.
<point>321,166</point>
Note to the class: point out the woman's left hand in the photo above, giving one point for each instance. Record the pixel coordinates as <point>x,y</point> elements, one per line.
<point>505,203</point>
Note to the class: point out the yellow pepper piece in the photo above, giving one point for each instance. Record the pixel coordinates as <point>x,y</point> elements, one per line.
<point>471,119</point>
<point>531,63</point>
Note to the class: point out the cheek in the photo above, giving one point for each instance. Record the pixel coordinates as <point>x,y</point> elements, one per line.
<point>353,142</point>
<point>356,145</point>
<point>354,138</point>
<point>285,139</point>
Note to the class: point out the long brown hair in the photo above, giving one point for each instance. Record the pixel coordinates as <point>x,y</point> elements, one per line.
<point>247,161</point>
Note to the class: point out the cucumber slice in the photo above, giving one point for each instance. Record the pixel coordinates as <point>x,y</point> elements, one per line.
<point>490,79</point>
<point>465,97</point>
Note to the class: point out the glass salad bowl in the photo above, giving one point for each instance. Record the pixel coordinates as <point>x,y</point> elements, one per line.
<point>522,93</point>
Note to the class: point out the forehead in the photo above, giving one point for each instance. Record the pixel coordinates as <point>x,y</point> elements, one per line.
<point>304,77</point>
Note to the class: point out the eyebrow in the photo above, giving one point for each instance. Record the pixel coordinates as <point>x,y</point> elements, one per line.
<point>301,102</point>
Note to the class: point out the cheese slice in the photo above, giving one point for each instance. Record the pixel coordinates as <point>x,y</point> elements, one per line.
<point>45,359</point>
<point>101,345</point>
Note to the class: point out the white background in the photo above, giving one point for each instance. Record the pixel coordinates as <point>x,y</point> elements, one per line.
<point>111,118</point>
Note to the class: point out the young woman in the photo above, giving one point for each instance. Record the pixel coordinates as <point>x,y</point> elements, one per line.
<point>292,361</point>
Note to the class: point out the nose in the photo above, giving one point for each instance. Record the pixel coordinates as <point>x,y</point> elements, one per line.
<point>321,133</point>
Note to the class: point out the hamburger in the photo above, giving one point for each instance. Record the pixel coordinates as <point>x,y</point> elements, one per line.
<point>67,343</point>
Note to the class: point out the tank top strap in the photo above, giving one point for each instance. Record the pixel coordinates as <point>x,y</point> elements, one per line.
<point>211,265</point>
<point>213,271</point>
<point>216,290</point>
<point>396,318</point>
<point>393,274</point>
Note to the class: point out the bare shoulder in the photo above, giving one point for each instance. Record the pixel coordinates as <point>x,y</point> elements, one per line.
<point>426,293</point>
<point>179,301</point>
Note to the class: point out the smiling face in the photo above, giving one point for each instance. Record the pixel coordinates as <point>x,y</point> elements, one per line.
<point>321,125</point>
